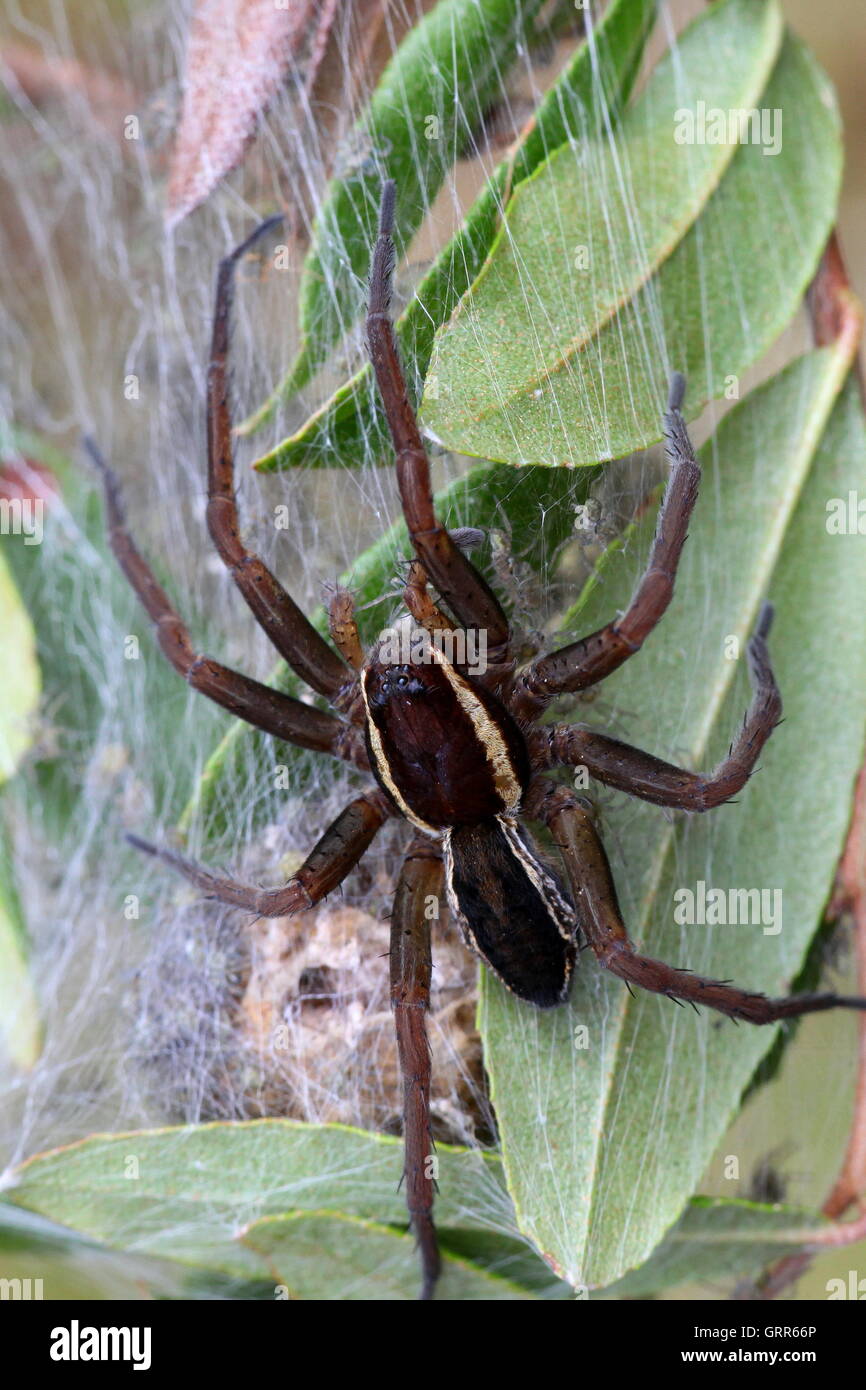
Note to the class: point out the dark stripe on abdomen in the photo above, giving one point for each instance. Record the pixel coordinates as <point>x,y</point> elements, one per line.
<point>511,909</point>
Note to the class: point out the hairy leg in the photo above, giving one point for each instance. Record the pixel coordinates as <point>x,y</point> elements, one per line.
<point>600,921</point>
<point>420,877</point>
<point>466,593</point>
<point>327,864</point>
<point>640,774</point>
<point>260,705</point>
<point>275,611</point>
<point>585,662</point>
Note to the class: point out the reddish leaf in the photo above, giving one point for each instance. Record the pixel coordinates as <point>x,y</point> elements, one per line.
<point>26,479</point>
<point>239,54</point>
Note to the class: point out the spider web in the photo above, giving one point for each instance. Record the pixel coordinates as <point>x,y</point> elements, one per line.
<point>165,1016</point>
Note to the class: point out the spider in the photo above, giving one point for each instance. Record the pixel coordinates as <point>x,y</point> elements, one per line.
<point>459,756</point>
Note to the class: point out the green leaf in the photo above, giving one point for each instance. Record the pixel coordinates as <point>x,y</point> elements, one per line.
<point>447,71</point>
<point>592,89</point>
<point>330,1257</point>
<point>604,1145</point>
<point>75,592</point>
<point>545,364</point>
<point>717,1239</point>
<point>21,681</point>
<point>243,1200</point>
<point>190,1193</point>
<point>536,507</point>
<point>74,1266</point>
<point>20,1028</point>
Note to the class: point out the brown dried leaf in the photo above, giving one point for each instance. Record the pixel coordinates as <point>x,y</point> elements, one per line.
<point>26,479</point>
<point>337,57</point>
<point>239,54</point>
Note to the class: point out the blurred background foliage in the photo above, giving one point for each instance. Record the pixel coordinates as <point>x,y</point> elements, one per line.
<point>117,1021</point>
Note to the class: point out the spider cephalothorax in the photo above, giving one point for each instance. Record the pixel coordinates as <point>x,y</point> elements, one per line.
<point>456,752</point>
<point>444,749</point>
<point>452,759</point>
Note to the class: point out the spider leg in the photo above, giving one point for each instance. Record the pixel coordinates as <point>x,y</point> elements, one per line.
<point>466,593</point>
<point>601,922</point>
<point>420,878</point>
<point>640,774</point>
<point>323,870</point>
<point>260,705</point>
<point>583,663</point>
<point>288,628</point>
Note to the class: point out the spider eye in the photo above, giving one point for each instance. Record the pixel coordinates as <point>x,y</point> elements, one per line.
<point>386,687</point>
<point>402,681</point>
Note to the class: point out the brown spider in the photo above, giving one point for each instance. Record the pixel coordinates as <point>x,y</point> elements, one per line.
<point>457,755</point>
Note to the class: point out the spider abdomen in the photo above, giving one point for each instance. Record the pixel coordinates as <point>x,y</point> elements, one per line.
<point>444,750</point>
<point>511,909</point>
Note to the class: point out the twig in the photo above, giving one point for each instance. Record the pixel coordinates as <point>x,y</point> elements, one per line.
<point>850,897</point>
